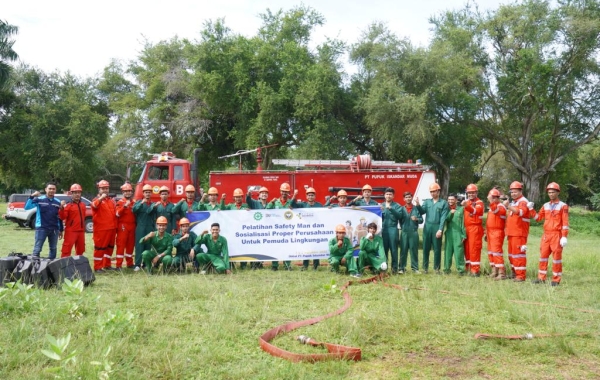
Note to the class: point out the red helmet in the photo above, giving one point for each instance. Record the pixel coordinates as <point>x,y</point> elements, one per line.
<point>367,187</point>
<point>494,193</point>
<point>147,188</point>
<point>213,191</point>
<point>310,190</point>
<point>183,221</point>
<point>434,187</point>
<point>553,186</point>
<point>263,190</point>
<point>516,185</point>
<point>163,189</point>
<point>76,187</point>
<point>285,187</point>
<point>161,220</point>
<point>238,192</point>
<point>342,193</point>
<point>190,188</point>
<point>126,187</point>
<point>103,183</point>
<point>340,228</point>
<point>472,188</point>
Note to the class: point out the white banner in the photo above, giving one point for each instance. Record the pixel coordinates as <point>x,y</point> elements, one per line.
<point>285,234</point>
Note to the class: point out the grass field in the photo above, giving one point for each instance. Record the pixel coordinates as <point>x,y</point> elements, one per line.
<point>207,326</point>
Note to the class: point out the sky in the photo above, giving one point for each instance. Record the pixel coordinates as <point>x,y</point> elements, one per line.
<point>82,37</point>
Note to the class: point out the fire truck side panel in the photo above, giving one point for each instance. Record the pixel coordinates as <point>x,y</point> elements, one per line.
<point>226,182</point>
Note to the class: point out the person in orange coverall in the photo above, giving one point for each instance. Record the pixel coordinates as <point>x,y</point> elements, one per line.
<point>125,228</point>
<point>73,216</point>
<point>104,216</point>
<point>495,224</point>
<point>517,230</point>
<point>556,228</point>
<point>473,212</point>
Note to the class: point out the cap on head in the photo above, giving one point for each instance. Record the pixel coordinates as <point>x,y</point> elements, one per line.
<point>238,192</point>
<point>340,228</point>
<point>516,185</point>
<point>103,183</point>
<point>342,193</point>
<point>147,188</point>
<point>126,187</point>
<point>163,189</point>
<point>434,187</point>
<point>161,220</point>
<point>76,187</point>
<point>190,188</point>
<point>471,188</point>
<point>310,190</point>
<point>285,187</point>
<point>553,186</point>
<point>183,221</point>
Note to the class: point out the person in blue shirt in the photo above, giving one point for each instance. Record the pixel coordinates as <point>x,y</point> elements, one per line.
<point>47,223</point>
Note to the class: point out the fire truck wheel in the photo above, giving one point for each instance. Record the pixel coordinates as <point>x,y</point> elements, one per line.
<point>89,225</point>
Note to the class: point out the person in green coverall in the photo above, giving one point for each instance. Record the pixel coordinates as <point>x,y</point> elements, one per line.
<point>260,204</point>
<point>391,214</point>
<point>238,197</point>
<point>183,242</point>
<point>341,252</point>
<point>371,251</point>
<point>284,202</point>
<point>161,245</point>
<point>187,204</point>
<point>211,204</point>
<point>217,252</point>
<point>165,208</point>
<point>365,198</point>
<point>310,203</point>
<point>145,218</point>
<point>455,236</point>
<point>436,210</point>
<point>409,237</point>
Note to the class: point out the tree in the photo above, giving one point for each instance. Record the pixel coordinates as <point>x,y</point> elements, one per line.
<point>7,54</point>
<point>539,85</point>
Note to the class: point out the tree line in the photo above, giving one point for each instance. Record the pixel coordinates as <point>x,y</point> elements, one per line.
<point>495,96</point>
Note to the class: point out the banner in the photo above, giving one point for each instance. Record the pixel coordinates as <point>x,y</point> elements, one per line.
<point>285,234</point>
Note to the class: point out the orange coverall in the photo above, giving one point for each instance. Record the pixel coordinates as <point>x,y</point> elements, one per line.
<point>556,225</point>
<point>496,221</point>
<point>125,232</point>
<point>104,216</point>
<point>474,226</point>
<point>73,216</point>
<point>517,230</point>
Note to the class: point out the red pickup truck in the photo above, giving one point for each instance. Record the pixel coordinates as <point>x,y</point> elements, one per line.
<point>15,211</point>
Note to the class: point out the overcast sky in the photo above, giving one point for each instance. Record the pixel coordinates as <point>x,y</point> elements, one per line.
<point>83,36</point>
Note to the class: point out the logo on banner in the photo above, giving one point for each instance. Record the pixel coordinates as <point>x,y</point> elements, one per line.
<point>257,216</point>
<point>288,215</point>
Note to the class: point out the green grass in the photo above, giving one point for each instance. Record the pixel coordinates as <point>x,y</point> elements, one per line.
<point>207,326</point>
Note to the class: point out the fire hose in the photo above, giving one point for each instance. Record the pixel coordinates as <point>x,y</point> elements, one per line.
<point>340,352</point>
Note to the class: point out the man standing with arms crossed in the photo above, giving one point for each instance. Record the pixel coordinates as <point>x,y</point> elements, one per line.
<point>73,216</point>
<point>47,222</point>
<point>437,211</point>
<point>556,229</point>
<point>125,228</point>
<point>104,215</point>
<point>473,210</point>
<point>517,230</point>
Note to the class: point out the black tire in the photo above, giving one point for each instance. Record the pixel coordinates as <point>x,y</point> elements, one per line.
<point>89,225</point>
<point>31,222</point>
<point>22,224</point>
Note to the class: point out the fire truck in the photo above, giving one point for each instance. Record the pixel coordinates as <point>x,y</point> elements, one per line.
<point>327,177</point>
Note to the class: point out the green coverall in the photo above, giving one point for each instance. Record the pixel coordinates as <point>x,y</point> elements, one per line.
<point>208,207</point>
<point>167,212</point>
<point>361,202</point>
<point>233,206</point>
<point>409,238</point>
<point>316,262</point>
<point>162,247</point>
<point>336,254</point>
<point>255,205</point>
<point>145,222</point>
<point>455,236</point>
<point>217,252</point>
<point>436,217</point>
<point>390,218</point>
<point>278,205</point>
<point>183,248</point>
<point>181,208</point>
<point>371,253</point>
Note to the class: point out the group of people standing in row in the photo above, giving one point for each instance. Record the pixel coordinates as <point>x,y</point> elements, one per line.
<point>158,232</point>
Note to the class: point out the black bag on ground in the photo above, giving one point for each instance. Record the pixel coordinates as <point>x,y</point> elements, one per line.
<point>7,267</point>
<point>72,267</point>
<point>23,271</point>
<point>40,274</point>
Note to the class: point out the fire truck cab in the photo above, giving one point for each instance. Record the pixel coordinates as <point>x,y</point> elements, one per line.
<point>165,169</point>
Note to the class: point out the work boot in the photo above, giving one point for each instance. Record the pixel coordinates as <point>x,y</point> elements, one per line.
<point>516,279</point>
<point>501,274</point>
<point>554,283</point>
<point>494,273</point>
<point>538,281</point>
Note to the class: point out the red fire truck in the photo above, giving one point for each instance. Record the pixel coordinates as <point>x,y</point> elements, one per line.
<point>327,177</point>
